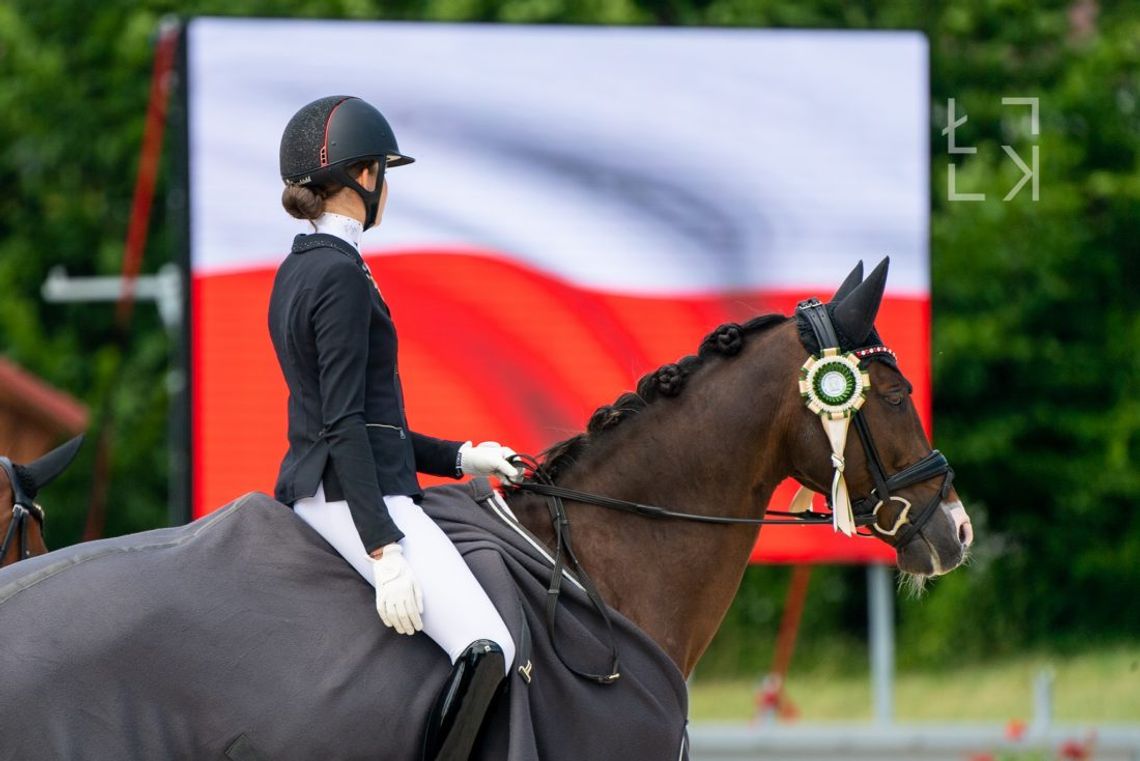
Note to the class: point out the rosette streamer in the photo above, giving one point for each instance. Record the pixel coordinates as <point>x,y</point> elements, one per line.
<point>834,387</point>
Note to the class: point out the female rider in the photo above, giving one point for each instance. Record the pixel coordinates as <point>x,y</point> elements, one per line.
<point>350,470</point>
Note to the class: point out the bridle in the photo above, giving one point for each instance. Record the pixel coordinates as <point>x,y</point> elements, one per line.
<point>23,507</point>
<point>934,464</point>
<point>865,510</point>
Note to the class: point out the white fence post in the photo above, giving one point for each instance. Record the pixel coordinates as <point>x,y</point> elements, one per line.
<point>881,614</point>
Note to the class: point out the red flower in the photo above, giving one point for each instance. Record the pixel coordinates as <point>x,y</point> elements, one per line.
<point>1076,750</point>
<point>1015,729</point>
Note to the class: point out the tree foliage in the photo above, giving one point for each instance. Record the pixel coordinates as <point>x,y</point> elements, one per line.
<point>1036,326</point>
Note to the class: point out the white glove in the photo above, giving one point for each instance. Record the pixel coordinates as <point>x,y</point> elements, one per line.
<point>489,459</point>
<point>399,600</point>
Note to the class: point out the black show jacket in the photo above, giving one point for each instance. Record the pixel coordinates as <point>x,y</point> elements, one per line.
<point>336,344</point>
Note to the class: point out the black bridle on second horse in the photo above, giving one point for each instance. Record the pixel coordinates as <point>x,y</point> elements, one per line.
<point>23,507</point>
<point>865,509</point>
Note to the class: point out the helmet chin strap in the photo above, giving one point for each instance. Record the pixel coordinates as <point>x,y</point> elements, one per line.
<point>371,198</point>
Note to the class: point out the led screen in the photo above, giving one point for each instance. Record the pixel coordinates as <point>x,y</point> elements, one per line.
<point>586,204</point>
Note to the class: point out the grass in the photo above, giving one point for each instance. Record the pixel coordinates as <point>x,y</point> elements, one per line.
<point>1099,686</point>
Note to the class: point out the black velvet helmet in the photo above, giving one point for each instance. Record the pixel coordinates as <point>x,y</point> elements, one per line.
<point>328,135</point>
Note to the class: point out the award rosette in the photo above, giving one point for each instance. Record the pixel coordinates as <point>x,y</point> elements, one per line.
<point>834,387</point>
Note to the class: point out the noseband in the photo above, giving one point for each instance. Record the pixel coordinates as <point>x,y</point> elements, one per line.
<point>23,507</point>
<point>866,509</point>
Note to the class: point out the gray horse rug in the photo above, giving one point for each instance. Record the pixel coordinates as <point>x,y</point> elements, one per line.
<point>243,636</point>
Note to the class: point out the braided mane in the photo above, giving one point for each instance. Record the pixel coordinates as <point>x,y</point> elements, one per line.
<point>666,381</point>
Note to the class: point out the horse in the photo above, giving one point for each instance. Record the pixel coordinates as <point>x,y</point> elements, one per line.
<point>717,432</point>
<point>258,641</point>
<point>21,517</point>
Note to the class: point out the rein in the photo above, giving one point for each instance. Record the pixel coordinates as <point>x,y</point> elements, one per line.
<point>561,524</point>
<point>653,511</point>
<point>23,507</point>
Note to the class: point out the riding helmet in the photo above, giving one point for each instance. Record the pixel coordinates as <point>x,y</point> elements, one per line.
<point>331,133</point>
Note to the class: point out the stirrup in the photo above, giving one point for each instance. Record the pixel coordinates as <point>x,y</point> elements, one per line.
<point>457,715</point>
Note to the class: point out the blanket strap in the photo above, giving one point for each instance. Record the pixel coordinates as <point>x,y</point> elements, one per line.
<point>524,645</point>
<point>481,491</point>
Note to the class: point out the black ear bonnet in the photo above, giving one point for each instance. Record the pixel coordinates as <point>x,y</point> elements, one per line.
<point>862,297</point>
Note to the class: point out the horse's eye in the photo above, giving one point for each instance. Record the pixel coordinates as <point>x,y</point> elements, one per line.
<point>895,398</point>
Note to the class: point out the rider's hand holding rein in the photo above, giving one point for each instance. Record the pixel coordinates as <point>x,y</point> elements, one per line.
<point>489,459</point>
<point>399,600</point>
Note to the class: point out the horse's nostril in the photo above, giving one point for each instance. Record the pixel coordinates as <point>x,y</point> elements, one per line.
<point>965,535</point>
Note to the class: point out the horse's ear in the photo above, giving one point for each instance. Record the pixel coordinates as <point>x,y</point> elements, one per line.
<point>855,314</point>
<point>44,470</point>
<point>853,279</point>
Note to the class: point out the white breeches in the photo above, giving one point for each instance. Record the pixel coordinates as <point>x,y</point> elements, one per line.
<point>456,609</point>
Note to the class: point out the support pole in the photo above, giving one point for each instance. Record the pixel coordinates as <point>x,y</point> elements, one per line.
<point>880,599</point>
<point>771,699</point>
<point>790,622</point>
<point>1043,700</point>
<point>162,77</point>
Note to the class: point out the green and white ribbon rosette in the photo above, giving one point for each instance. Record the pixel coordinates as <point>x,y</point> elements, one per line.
<point>834,387</point>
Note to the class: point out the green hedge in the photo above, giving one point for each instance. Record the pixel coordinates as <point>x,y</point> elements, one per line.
<point>1036,326</point>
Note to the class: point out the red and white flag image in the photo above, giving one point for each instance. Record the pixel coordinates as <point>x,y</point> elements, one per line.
<point>586,204</point>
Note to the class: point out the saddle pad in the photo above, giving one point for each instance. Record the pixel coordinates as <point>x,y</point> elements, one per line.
<point>244,633</point>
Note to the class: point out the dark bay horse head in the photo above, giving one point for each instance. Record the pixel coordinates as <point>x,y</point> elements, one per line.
<point>921,517</point>
<point>715,432</point>
<point>21,518</point>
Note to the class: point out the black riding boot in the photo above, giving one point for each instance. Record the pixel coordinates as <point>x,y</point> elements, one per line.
<point>458,712</point>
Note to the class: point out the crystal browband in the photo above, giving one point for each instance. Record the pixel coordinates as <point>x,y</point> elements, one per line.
<point>871,351</point>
